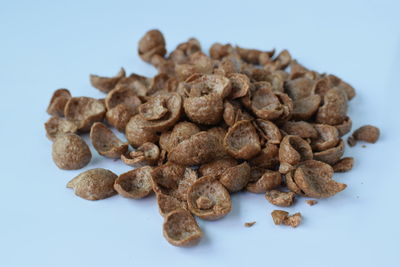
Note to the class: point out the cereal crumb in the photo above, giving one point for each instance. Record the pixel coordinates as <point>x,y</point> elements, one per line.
<point>283,217</point>
<point>311,202</point>
<point>249,224</point>
<point>363,146</point>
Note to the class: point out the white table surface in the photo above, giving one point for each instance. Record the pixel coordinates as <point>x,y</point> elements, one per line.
<point>47,45</point>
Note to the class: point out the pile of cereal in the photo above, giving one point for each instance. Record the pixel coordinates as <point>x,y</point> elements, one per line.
<point>206,127</point>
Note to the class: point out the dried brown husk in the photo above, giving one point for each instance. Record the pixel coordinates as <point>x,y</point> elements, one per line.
<point>173,180</point>
<point>334,109</point>
<point>242,141</point>
<point>56,126</point>
<point>119,116</point>
<point>146,154</point>
<point>106,142</point>
<point>57,102</point>
<point>343,165</point>
<point>236,178</point>
<point>122,95</point>
<point>200,148</point>
<point>209,188</point>
<point>367,133</point>
<point>328,137</point>
<point>217,167</point>
<point>301,128</point>
<point>135,184</point>
<point>268,131</point>
<point>84,111</point>
<point>267,158</point>
<point>314,178</point>
<point>181,229</point>
<point>269,180</point>
<point>94,184</point>
<point>70,152</point>
<point>106,84</point>
<point>331,155</point>
<point>151,44</point>
<point>293,149</point>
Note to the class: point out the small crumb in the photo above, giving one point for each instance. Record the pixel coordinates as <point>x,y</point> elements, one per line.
<point>249,224</point>
<point>311,202</point>
<point>293,220</point>
<point>363,146</point>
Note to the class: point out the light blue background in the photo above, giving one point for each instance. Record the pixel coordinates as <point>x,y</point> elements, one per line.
<point>45,45</point>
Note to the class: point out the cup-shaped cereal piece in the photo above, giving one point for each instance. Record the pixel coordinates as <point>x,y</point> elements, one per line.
<point>209,199</point>
<point>84,111</point>
<point>296,68</point>
<point>254,56</point>
<point>301,128</point>
<point>106,84</point>
<point>209,84</point>
<point>345,126</point>
<point>167,176</point>
<point>367,133</point>
<point>331,155</point>
<point>153,109</point>
<point>343,165</point>
<point>181,229</point>
<point>328,137</point>
<point>56,126</point>
<point>106,142</point>
<point>291,184</point>
<point>200,148</point>
<point>217,167</point>
<point>219,51</point>
<point>119,116</point>
<point>167,203</point>
<point>138,84</point>
<point>181,131</point>
<point>173,179</point>
<point>269,180</point>
<point>299,88</point>
<point>236,178</point>
<point>314,178</point>
<point>267,158</point>
<point>279,198</point>
<point>94,184</point>
<point>334,109</point>
<point>58,101</point>
<point>233,112</point>
<point>256,173</point>
<point>148,153</point>
<point>323,85</point>
<point>240,85</point>
<point>270,105</point>
<point>207,109</point>
<point>277,80</point>
<point>184,50</point>
<point>268,131</point>
<point>305,108</point>
<point>123,95</point>
<point>242,141</point>
<point>70,152</point>
<point>293,149</point>
<point>282,60</point>
<point>137,134</point>
<point>172,102</point>
<point>197,63</point>
<point>152,43</point>
<point>135,184</point>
